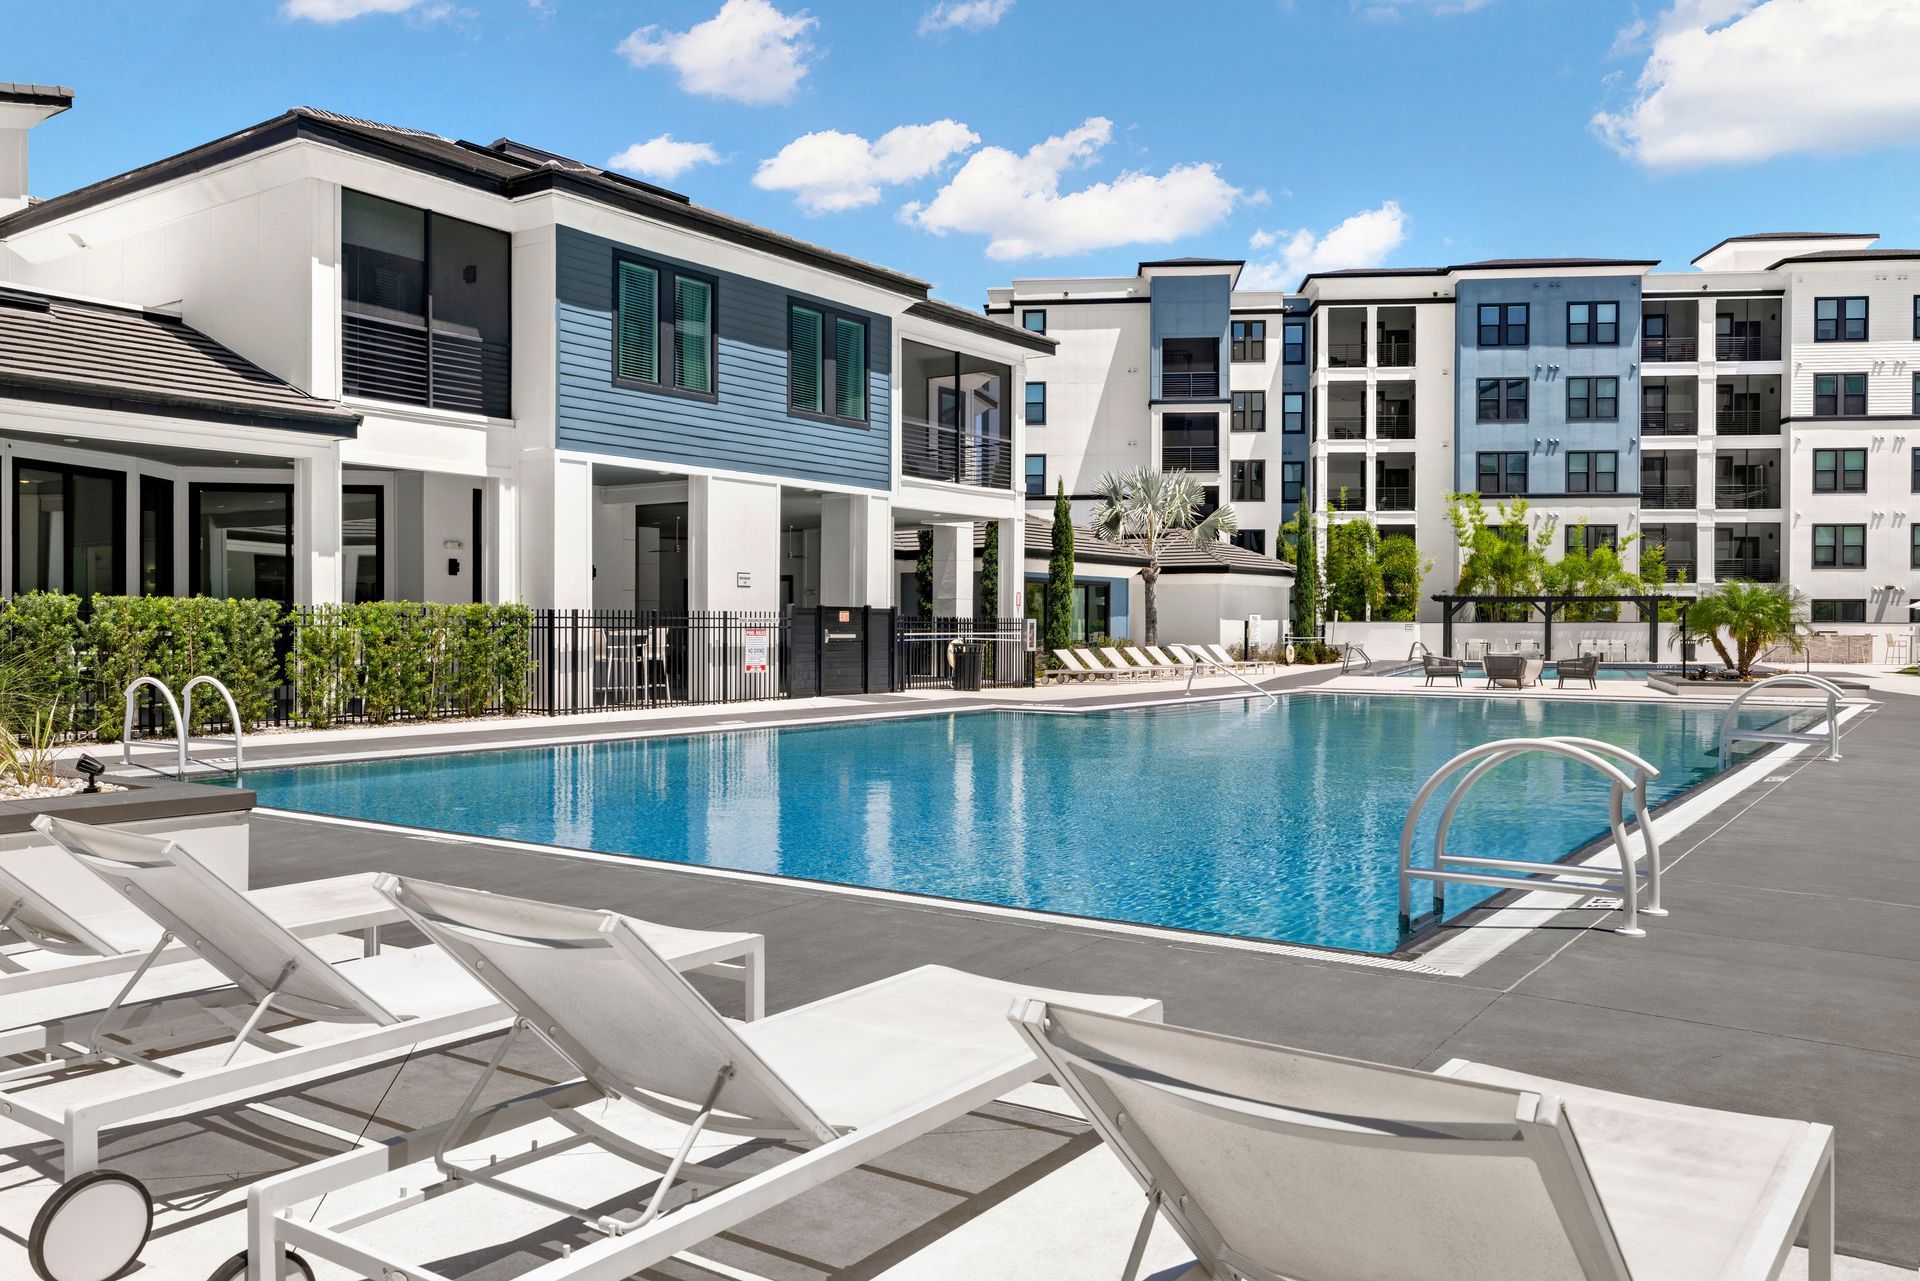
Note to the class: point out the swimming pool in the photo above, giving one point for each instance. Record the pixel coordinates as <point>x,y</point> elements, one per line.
<point>1274,822</point>
<point>1636,672</point>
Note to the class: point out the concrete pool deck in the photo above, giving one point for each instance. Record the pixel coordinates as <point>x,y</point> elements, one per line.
<point>1786,981</point>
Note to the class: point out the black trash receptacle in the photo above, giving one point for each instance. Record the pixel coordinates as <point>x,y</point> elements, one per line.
<point>967,665</point>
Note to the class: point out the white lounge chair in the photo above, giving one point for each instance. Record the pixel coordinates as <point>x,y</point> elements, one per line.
<point>167,1057</point>
<point>1113,655</point>
<point>1219,654</point>
<point>1273,1163</point>
<point>1074,667</point>
<point>1146,664</point>
<point>844,1080</point>
<point>1099,668</point>
<point>1168,660</point>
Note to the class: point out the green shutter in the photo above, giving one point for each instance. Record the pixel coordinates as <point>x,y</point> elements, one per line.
<point>692,334</point>
<point>636,353</point>
<point>849,368</point>
<point>803,358</point>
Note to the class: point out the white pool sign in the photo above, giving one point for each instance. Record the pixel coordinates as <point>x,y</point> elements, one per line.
<point>755,653</point>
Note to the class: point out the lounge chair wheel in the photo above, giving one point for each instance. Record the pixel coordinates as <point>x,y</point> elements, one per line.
<point>235,1269</point>
<point>92,1228</point>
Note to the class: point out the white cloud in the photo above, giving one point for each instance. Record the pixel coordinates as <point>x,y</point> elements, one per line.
<point>331,11</point>
<point>963,15</point>
<point>748,52</point>
<point>830,171</point>
<point>664,157</point>
<point>1016,200</point>
<point>1364,240</point>
<point>1394,10</point>
<point>1731,81</point>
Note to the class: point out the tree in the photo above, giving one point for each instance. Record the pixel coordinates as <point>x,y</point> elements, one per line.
<point>1402,571</point>
<point>1599,572</point>
<point>1754,618</point>
<point>1299,546</point>
<point>1354,587</point>
<point>1059,596</point>
<point>1146,508</point>
<point>1498,559</point>
<point>990,586</point>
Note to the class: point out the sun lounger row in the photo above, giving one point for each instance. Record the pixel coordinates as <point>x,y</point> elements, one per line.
<point>1133,662</point>
<point>1267,1162</point>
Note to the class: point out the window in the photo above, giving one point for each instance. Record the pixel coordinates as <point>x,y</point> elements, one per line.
<point>1502,474</point>
<point>1254,540</point>
<point>1839,319</point>
<point>242,541</point>
<point>1590,399</point>
<point>1916,317</point>
<point>1503,324</point>
<point>1293,480</point>
<point>1293,411</point>
<point>1914,558</point>
<point>1249,340</point>
<point>1249,411</point>
<point>1036,475</point>
<point>1294,339</point>
<point>1036,404</point>
<point>664,333</point>
<point>1839,546</point>
<point>1654,325</point>
<point>156,536</point>
<point>1502,400</point>
<point>1839,471</point>
<point>1249,481</point>
<point>1916,473</point>
<point>1839,395</point>
<point>68,530</point>
<point>826,363</point>
<point>1593,471</point>
<point>1916,395</point>
<point>1593,324</point>
<point>363,543</point>
<point>1839,611</point>
<point>1034,321</point>
<point>1591,538</point>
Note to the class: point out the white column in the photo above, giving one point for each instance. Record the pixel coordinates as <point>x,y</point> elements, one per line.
<point>856,550</point>
<point>500,530</point>
<point>555,534</point>
<point>733,544</point>
<point>1013,568</point>
<point>953,570</point>
<point>316,528</point>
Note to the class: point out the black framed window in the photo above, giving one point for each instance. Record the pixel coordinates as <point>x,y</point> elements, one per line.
<point>156,536</point>
<point>1249,340</point>
<point>1034,321</point>
<point>477,561</point>
<point>1914,560</point>
<point>1840,546</point>
<point>1502,474</point>
<point>826,362</point>
<point>1593,471</point>
<point>1838,611</point>
<point>69,530</point>
<point>1593,324</point>
<point>242,541</point>
<point>1293,411</point>
<point>1036,475</point>
<point>1294,341</point>
<point>1839,319</point>
<point>1254,540</point>
<point>1293,482</point>
<point>1591,538</point>
<point>1249,480</point>
<point>1842,471</point>
<point>1916,474</point>
<point>1503,324</point>
<point>665,337</point>
<point>1036,404</point>
<point>1593,399</point>
<point>1501,400</point>
<point>1839,395</point>
<point>1249,411</point>
<point>1916,395</point>
<point>363,543</point>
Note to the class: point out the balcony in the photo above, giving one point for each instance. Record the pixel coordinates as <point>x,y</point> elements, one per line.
<point>387,360</point>
<point>1393,498</point>
<point>1682,571</point>
<point>1746,422</point>
<point>1388,425</point>
<point>1190,442</point>
<point>1346,330</point>
<point>930,451</point>
<point>1190,384</point>
<point>1747,347</point>
<point>1734,495</point>
<point>1347,355</point>
<point>1668,422</point>
<point>953,421</point>
<point>1346,426</point>
<point>1189,369</point>
<point>1669,350</point>
<point>1396,352</point>
<point>1667,497</point>
<point>1756,569</point>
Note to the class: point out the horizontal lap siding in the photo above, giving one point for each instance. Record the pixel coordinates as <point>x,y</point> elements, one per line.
<point>749,428</point>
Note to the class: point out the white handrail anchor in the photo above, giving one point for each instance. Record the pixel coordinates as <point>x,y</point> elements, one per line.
<point>1831,738</point>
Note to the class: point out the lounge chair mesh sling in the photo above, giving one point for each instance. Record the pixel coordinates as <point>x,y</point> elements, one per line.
<point>844,1079</point>
<point>1278,1164</point>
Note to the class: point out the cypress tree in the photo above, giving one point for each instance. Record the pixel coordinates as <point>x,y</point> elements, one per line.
<point>1059,616</point>
<point>923,574</point>
<point>990,586</point>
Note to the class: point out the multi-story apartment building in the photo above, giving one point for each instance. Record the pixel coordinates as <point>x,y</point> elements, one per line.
<point>324,359</point>
<point>1756,416</point>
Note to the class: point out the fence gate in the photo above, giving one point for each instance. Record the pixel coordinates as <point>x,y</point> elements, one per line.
<point>842,649</point>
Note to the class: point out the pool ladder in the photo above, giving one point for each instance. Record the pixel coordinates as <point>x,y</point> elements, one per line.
<point>1827,737</point>
<point>1634,876</point>
<point>182,711</point>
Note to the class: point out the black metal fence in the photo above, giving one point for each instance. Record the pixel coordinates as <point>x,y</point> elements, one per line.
<point>584,660</point>
<point>923,646</point>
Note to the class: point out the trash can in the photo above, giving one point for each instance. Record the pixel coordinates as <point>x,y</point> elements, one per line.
<point>966,665</point>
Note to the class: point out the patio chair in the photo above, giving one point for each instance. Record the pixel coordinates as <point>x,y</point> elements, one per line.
<point>1271,1162</point>
<point>217,1047</point>
<point>839,1082</point>
<point>1147,664</point>
<point>1439,667</point>
<point>1113,655</point>
<point>1099,668</point>
<point>1073,668</point>
<point>1516,671</point>
<point>1586,669</point>
<point>1180,659</point>
<point>1220,655</point>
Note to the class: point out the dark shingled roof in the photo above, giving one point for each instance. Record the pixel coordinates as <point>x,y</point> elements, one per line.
<point>1491,263</point>
<point>1792,235</point>
<point>67,351</point>
<point>1847,255</point>
<point>1194,262</point>
<point>1181,555</point>
<point>1178,555</point>
<point>960,318</point>
<point>57,96</point>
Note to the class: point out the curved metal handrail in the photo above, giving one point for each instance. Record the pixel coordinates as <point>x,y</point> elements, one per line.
<point>1194,670</point>
<point>1729,735</point>
<point>233,716</point>
<point>1483,759</point>
<point>126,723</point>
<point>1417,650</point>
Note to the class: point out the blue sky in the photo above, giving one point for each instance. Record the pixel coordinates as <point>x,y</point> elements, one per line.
<point>972,141</point>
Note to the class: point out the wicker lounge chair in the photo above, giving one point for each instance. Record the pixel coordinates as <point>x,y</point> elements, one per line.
<point>1439,667</point>
<point>1585,668</point>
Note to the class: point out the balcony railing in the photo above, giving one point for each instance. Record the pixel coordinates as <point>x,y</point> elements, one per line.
<point>1738,497</point>
<point>1393,498</point>
<point>1667,422</point>
<point>1745,422</point>
<point>1670,350</point>
<point>1346,355</point>
<point>1754,569</point>
<point>388,360</point>
<point>932,451</point>
<point>1190,457</point>
<point>1393,426</point>
<point>1759,347</point>
<point>1189,384</point>
<point>1346,426</point>
<point>1395,353</point>
<point>1682,571</point>
<point>1679,497</point>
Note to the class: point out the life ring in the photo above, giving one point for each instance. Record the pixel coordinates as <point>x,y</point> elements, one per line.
<point>952,645</point>
<point>1290,654</point>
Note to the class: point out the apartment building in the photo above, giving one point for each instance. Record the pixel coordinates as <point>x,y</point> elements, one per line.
<point>325,359</point>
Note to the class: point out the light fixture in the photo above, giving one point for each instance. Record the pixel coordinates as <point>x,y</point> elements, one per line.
<point>91,770</point>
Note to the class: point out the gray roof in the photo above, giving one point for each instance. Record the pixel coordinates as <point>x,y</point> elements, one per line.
<point>960,318</point>
<point>56,96</point>
<point>1792,235</point>
<point>1489,263</point>
<point>1847,255</point>
<point>1181,555</point>
<point>63,350</point>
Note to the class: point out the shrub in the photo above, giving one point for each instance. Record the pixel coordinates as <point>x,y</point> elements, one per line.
<point>45,647</point>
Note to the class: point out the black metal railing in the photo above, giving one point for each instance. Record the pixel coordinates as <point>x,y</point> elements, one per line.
<point>1733,496</point>
<point>1747,347</point>
<point>1394,353</point>
<point>385,359</point>
<point>1667,496</point>
<point>934,451</point>
<point>1668,422</point>
<point>1681,570</point>
<point>1391,426</point>
<point>1752,569</point>
<point>1189,384</point>
<point>586,660</point>
<point>1346,355</point>
<point>1393,498</point>
<point>925,654</point>
<point>1351,426</point>
<point>1745,422</point>
<point>1190,457</point>
<point>1670,350</point>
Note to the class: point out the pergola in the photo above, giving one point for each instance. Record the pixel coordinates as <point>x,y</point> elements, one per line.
<point>1648,603</point>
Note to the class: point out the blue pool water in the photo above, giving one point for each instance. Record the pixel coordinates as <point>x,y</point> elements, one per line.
<point>1271,822</point>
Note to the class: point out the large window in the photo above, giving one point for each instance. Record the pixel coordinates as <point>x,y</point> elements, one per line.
<point>1249,411</point>
<point>1036,404</point>
<point>1502,400</point>
<point>1502,474</point>
<point>1293,411</point>
<point>1593,471</point>
<point>1840,546</point>
<point>1839,319</point>
<point>1838,611</point>
<point>1092,615</point>
<point>242,541</point>
<point>664,331</point>
<point>156,536</point>
<point>1036,475</point>
<point>1842,471</point>
<point>1249,480</point>
<point>826,363</point>
<point>1034,321</point>
<point>1294,340</point>
<point>1591,538</point>
<point>1249,340</point>
<point>1839,395</point>
<point>427,307</point>
<point>956,417</point>
<point>1590,399</point>
<point>69,527</point>
<point>1254,540</point>
<point>1593,324</point>
<point>1503,324</point>
<point>1293,482</point>
<point>363,543</point>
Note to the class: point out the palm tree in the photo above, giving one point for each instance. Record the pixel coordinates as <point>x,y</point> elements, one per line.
<point>1754,618</point>
<point>1145,508</point>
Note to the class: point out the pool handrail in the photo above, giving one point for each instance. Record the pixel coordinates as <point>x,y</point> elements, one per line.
<point>1204,659</point>
<point>1729,735</point>
<point>233,718</point>
<point>1604,758</point>
<point>179,724</point>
